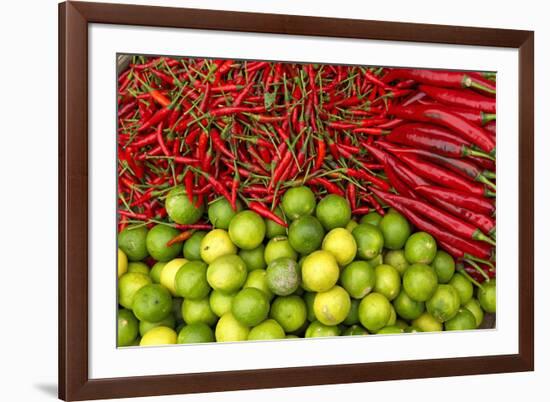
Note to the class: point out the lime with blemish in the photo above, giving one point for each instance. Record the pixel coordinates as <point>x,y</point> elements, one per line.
<point>444,303</point>
<point>358,278</point>
<point>132,242</point>
<point>369,239</point>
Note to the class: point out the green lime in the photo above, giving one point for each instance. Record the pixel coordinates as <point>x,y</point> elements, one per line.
<point>374,312</point>
<point>306,234</point>
<point>229,329</point>
<point>369,239</point>
<point>463,286</point>
<point>396,258</point>
<point>169,272</point>
<point>474,307</point>
<point>282,276</point>
<point>388,281</point>
<point>152,303</point>
<point>355,330</point>
<point>390,329</point>
<point>227,273</point>
<point>128,285</point>
<point>127,328</point>
<point>444,304</point>
<point>427,323</point>
<point>406,307</point>
<point>376,261</point>
<point>180,208</point>
<point>215,244</point>
<point>159,336</point>
<point>220,302</point>
<point>220,213</point>
<point>332,307</point>
<point>358,278</point>
<point>199,310</point>
<point>420,282</point>
<point>444,266</point>
<point>279,247</point>
<point>320,271</point>
<point>372,218</point>
<point>122,263</point>
<point>333,211</point>
<point>190,281</point>
<point>487,296</point>
<point>341,244</point>
<point>269,329</point>
<point>420,248</point>
<point>132,242</point>
<point>254,259</point>
<point>353,314</point>
<point>156,241</point>
<point>247,230</point>
<point>138,266</point>
<point>250,306</point>
<point>317,330</point>
<point>290,312</point>
<point>145,326</point>
<point>463,320</point>
<point>198,332</point>
<point>192,246</point>
<point>298,202</point>
<point>273,229</point>
<point>351,225</point>
<point>258,279</point>
<point>309,298</point>
<point>156,271</point>
<point>393,316</point>
<point>395,229</point>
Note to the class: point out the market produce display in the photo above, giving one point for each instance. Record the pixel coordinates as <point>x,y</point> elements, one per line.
<point>262,200</point>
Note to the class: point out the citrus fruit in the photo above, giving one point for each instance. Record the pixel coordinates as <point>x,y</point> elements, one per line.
<point>374,312</point>
<point>396,258</point>
<point>269,329</point>
<point>258,279</point>
<point>320,271</point>
<point>145,326</point>
<point>122,263</point>
<point>309,298</point>
<point>282,276</point>
<point>279,247</point>
<point>220,213</point>
<point>138,266</point>
<point>420,247</point>
<point>420,282</point>
<point>156,271</point>
<point>463,286</point>
<point>198,332</point>
<point>463,320</point>
<point>180,208</point>
<point>317,330</point>
<point>444,266</point>
<point>358,278</point>
<point>156,241</point>
<point>192,246</point>
<point>388,281</point>
<point>305,234</point>
<point>393,316</point>
<point>372,218</point>
<point>290,312</point>
<point>152,303</point>
<point>298,202</point>
<point>127,327</point>
<point>229,329</point>
<point>353,314</point>
<point>132,242</point>
<point>332,307</point>
<point>427,323</point>
<point>355,330</point>
<point>128,285</point>
<point>444,303</point>
<point>220,302</point>
<point>273,229</point>
<point>159,336</point>
<point>487,296</point>
<point>227,273</point>
<point>369,239</point>
<point>190,281</point>
<point>395,229</point>
<point>474,307</point>
<point>390,329</point>
<point>250,306</point>
<point>215,244</point>
<point>254,259</point>
<point>406,307</point>
<point>169,272</point>
<point>199,310</point>
<point>247,230</point>
<point>333,212</point>
<point>341,244</point>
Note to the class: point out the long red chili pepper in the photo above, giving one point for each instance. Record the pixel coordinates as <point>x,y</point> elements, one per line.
<point>464,98</point>
<point>265,212</point>
<point>328,185</point>
<point>474,203</point>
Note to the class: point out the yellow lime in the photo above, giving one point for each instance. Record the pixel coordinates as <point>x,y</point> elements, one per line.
<point>320,271</point>
<point>215,244</point>
<point>227,273</point>
<point>128,285</point>
<point>229,329</point>
<point>122,263</point>
<point>427,323</point>
<point>341,244</point>
<point>159,336</point>
<point>332,307</point>
<point>169,272</point>
<point>258,279</point>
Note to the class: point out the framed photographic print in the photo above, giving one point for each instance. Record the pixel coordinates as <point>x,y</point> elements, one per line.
<point>260,200</point>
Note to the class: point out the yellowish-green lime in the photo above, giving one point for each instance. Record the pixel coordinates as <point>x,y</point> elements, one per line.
<point>128,285</point>
<point>229,329</point>
<point>215,244</point>
<point>341,244</point>
<point>159,336</point>
<point>169,272</point>
<point>332,307</point>
<point>122,263</point>
<point>269,329</point>
<point>320,271</point>
<point>227,273</point>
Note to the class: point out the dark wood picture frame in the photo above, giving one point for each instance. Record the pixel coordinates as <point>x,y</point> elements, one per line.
<point>74,382</point>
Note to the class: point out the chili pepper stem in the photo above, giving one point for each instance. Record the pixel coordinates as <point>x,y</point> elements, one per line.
<point>468,277</point>
<point>478,235</point>
<point>478,268</point>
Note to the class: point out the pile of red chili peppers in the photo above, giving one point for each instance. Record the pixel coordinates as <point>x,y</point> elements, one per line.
<point>420,141</point>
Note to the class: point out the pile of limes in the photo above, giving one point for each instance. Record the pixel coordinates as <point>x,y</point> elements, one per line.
<point>326,275</point>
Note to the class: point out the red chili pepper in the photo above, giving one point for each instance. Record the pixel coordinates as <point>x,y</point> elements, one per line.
<point>329,186</point>
<point>219,143</point>
<point>133,215</point>
<point>197,226</point>
<point>360,211</point>
<point>180,238</point>
<point>477,117</point>
<point>462,98</point>
<point>371,131</point>
<point>474,203</point>
<point>159,98</point>
<point>364,175</point>
<point>321,153</point>
<point>265,212</point>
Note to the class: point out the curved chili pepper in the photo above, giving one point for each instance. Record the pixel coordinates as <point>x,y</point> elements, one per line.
<point>265,212</point>
<point>463,98</point>
<point>474,203</point>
